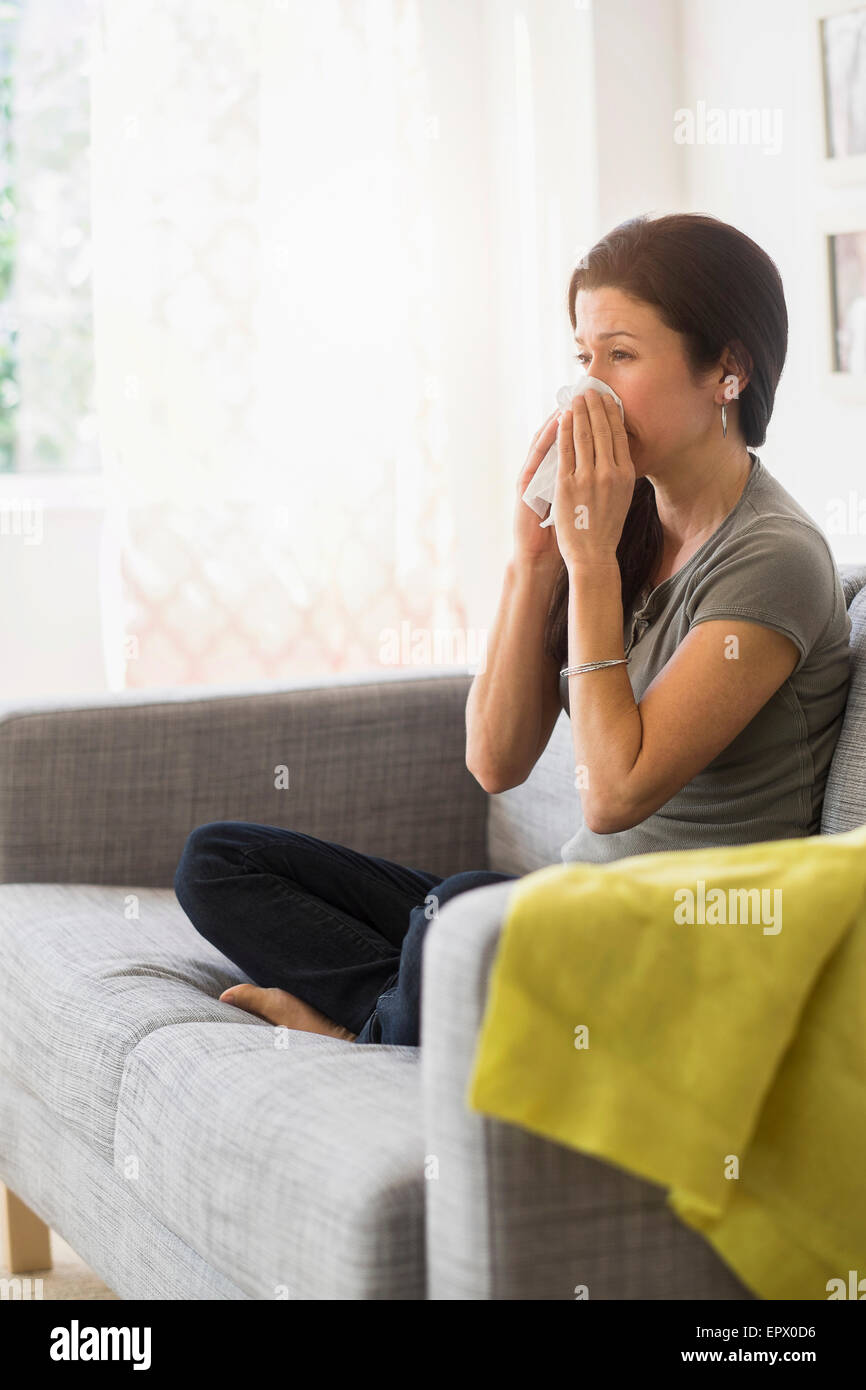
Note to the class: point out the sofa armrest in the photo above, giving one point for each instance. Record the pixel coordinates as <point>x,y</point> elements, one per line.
<point>106,791</point>
<point>511,1215</point>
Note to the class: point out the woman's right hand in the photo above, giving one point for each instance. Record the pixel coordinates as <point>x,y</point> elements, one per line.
<point>532,541</point>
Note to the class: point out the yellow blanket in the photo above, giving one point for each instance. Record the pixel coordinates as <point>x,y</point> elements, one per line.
<point>647,1012</point>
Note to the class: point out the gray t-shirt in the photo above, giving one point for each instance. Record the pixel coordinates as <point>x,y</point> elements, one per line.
<point>770,563</point>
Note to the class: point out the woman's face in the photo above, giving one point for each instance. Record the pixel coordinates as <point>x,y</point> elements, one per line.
<point>624,343</point>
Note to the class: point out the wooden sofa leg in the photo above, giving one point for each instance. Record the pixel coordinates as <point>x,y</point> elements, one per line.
<point>27,1244</point>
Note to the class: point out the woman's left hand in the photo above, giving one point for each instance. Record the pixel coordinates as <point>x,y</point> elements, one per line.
<point>594,481</point>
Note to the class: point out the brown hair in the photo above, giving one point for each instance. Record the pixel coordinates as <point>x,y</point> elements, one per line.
<point>717,288</point>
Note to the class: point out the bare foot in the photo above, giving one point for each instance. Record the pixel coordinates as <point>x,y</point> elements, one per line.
<point>286,1010</point>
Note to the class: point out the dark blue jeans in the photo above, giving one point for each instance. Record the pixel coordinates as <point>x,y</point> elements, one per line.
<point>341,930</point>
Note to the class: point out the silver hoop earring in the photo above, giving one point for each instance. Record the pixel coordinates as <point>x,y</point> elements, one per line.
<point>724,422</point>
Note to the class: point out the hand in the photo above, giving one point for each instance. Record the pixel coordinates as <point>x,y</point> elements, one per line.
<point>533,542</point>
<point>594,481</point>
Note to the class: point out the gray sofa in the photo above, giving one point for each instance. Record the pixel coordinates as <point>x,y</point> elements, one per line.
<point>169,1138</point>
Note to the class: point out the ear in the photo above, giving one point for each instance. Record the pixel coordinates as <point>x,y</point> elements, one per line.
<point>736,361</point>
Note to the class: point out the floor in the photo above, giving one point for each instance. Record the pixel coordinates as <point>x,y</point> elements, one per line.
<point>70,1277</point>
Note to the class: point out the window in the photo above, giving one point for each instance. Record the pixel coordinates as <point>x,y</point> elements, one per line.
<point>47,417</point>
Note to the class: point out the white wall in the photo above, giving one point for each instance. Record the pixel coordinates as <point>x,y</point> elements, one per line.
<point>51,598</point>
<point>637,72</point>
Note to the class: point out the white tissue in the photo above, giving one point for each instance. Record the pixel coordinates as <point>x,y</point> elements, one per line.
<point>539,493</point>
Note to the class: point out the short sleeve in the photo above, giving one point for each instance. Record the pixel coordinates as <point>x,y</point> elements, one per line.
<point>779,572</point>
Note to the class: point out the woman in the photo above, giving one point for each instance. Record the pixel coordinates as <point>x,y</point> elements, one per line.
<point>698,603</point>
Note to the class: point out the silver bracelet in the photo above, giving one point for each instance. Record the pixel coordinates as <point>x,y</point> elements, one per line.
<point>593,666</point>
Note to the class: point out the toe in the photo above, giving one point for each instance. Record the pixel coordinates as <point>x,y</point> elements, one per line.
<point>243,997</point>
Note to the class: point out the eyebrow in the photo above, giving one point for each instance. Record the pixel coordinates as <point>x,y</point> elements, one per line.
<point>617,333</point>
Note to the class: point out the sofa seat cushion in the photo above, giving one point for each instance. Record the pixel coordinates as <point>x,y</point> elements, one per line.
<point>294,1163</point>
<point>82,981</point>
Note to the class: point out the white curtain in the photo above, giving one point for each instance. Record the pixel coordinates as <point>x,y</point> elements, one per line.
<point>330,245</point>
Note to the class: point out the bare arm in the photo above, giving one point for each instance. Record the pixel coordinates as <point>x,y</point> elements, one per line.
<point>638,756</point>
<point>514,703</point>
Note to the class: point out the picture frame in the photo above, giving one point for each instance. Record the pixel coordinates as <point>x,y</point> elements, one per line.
<point>843,248</point>
<point>839,31</point>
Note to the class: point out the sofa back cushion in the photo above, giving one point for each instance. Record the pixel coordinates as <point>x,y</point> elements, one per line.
<point>844,805</point>
<point>528,825</point>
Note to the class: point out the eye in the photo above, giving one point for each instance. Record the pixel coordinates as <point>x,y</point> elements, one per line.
<point>615,352</point>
